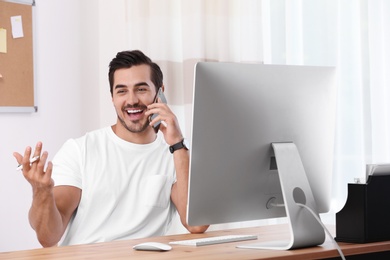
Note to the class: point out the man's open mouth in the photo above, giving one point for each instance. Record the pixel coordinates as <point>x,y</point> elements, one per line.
<point>134,111</point>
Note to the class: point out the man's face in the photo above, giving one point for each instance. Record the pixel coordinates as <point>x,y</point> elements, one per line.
<point>133,91</point>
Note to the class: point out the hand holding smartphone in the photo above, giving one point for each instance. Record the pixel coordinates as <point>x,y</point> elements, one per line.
<point>160,94</point>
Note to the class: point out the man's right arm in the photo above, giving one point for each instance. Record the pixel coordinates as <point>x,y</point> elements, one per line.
<point>52,207</point>
<point>51,212</point>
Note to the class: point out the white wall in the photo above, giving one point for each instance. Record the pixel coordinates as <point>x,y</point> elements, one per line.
<point>75,40</point>
<point>74,43</point>
<point>66,95</point>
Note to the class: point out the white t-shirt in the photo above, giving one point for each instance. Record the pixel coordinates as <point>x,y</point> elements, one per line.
<point>125,187</point>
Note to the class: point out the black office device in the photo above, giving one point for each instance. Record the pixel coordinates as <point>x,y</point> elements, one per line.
<point>365,216</point>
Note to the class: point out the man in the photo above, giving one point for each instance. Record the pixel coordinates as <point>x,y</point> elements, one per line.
<point>118,182</point>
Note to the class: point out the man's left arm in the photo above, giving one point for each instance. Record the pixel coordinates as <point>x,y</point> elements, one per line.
<point>179,194</point>
<point>172,135</point>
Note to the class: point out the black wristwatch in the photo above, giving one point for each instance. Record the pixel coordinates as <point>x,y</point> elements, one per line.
<point>179,145</point>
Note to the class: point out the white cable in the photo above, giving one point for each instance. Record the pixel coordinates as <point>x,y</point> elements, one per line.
<point>323,226</point>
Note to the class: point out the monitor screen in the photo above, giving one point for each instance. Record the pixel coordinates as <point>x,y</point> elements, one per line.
<point>239,110</point>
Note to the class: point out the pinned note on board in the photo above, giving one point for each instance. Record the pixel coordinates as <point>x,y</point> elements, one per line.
<point>17,26</point>
<point>3,40</point>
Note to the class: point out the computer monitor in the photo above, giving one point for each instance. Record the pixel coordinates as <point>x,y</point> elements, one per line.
<point>242,115</point>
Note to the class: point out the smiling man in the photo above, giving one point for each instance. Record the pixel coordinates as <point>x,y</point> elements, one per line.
<point>119,182</point>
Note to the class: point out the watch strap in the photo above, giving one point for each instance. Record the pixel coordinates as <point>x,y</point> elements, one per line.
<point>177,146</point>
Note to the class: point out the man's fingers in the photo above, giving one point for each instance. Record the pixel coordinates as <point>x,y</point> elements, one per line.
<point>18,157</point>
<point>37,153</point>
<point>42,161</point>
<point>27,161</point>
<point>49,170</point>
<point>27,154</point>
<point>38,149</point>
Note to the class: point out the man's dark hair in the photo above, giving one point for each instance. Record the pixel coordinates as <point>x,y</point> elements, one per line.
<point>127,59</point>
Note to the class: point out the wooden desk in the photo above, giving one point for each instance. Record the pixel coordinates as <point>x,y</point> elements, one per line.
<point>227,251</point>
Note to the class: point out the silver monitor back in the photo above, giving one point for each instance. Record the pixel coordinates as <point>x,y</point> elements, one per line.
<point>238,111</point>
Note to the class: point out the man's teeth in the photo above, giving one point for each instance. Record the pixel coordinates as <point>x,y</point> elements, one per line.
<point>133,111</point>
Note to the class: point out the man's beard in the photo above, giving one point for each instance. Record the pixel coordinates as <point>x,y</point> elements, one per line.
<point>136,128</point>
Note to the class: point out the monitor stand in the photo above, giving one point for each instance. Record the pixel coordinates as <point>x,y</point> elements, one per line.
<point>304,228</point>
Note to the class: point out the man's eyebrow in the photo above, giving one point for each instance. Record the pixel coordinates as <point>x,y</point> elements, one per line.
<point>139,84</point>
<point>120,86</point>
<point>142,83</point>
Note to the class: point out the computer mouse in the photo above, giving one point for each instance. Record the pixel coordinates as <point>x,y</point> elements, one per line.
<point>152,246</point>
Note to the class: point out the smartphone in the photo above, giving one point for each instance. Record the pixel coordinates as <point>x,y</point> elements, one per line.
<point>160,94</point>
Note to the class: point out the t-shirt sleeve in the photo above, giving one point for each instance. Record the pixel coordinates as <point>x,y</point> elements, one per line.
<point>67,165</point>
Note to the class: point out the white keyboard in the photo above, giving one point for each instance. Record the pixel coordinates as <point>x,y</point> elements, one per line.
<point>213,240</point>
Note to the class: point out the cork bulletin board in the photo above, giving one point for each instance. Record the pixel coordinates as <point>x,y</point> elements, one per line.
<point>16,57</point>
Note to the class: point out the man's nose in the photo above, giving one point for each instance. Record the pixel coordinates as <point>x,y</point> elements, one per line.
<point>132,98</point>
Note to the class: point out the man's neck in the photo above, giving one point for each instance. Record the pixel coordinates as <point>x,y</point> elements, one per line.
<point>145,137</point>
